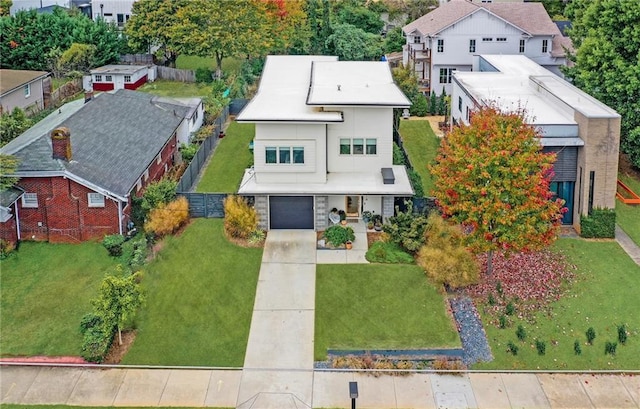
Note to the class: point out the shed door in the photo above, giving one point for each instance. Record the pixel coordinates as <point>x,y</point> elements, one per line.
<point>291,212</point>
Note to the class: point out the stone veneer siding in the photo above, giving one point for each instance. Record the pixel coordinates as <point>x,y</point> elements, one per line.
<point>262,208</point>
<point>387,206</point>
<point>322,213</point>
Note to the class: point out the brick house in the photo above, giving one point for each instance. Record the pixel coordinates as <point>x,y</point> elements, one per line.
<point>80,166</point>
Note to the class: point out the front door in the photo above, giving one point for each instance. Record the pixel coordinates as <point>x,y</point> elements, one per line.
<point>352,206</point>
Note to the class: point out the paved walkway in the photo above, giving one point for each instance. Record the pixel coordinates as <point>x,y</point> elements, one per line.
<point>628,245</point>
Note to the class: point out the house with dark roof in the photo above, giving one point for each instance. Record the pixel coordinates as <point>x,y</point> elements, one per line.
<point>80,167</point>
<point>446,39</point>
<point>22,89</point>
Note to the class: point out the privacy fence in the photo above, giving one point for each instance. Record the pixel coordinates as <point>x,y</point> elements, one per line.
<point>174,74</point>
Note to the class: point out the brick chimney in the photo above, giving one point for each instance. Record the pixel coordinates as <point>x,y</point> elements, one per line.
<point>61,141</point>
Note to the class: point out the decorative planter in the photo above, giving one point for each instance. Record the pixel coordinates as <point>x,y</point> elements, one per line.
<point>348,245</point>
<point>343,222</point>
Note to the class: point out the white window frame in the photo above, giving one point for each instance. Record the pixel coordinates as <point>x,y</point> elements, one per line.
<point>487,39</point>
<point>27,90</point>
<point>440,46</point>
<point>522,46</point>
<point>98,78</point>
<point>95,199</point>
<point>366,142</point>
<point>501,39</point>
<point>127,78</point>
<point>108,78</point>
<point>545,46</point>
<point>278,149</point>
<point>446,75</point>
<point>30,200</point>
<point>472,45</point>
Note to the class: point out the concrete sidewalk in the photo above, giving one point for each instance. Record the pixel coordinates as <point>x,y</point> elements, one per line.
<point>220,388</point>
<point>628,245</point>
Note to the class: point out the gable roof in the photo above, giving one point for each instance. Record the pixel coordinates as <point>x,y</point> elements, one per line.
<point>12,79</point>
<point>114,139</point>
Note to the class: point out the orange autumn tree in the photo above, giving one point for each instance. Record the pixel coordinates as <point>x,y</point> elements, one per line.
<point>492,177</point>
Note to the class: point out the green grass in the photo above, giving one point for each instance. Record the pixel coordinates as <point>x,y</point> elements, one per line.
<point>363,306</point>
<point>175,89</point>
<point>389,253</point>
<point>421,145</point>
<point>628,216</point>
<point>231,157</point>
<point>200,292</point>
<point>192,62</point>
<point>604,295</point>
<point>46,289</point>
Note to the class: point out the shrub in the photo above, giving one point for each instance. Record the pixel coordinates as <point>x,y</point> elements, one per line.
<point>204,75</point>
<point>502,321</point>
<point>139,254</point>
<point>419,106</point>
<point>168,218</point>
<point>257,236</point>
<point>113,244</point>
<point>610,348</point>
<point>591,335</point>
<point>541,347</point>
<point>577,348</point>
<point>622,334</point>
<point>97,337</point>
<point>601,223</point>
<point>158,193</point>
<point>491,300</point>
<point>443,364</point>
<point>6,248</point>
<point>510,309</point>
<point>416,182</point>
<point>240,219</point>
<point>499,289</point>
<point>388,253</point>
<point>521,333</point>
<point>338,234</point>
<point>398,155</point>
<point>512,348</point>
<point>188,151</point>
<point>407,229</point>
<point>444,257</point>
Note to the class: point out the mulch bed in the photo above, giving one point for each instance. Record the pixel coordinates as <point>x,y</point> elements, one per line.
<point>117,351</point>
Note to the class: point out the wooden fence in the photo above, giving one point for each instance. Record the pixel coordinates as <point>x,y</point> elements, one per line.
<point>137,59</point>
<point>174,74</point>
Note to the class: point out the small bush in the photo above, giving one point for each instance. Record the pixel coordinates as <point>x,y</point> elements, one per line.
<point>97,337</point>
<point>502,321</point>
<point>512,348</point>
<point>338,235</point>
<point>591,335</point>
<point>541,347</point>
<point>113,244</point>
<point>188,151</point>
<point>139,254</point>
<point>610,348</point>
<point>158,193</point>
<point>204,75</point>
<point>521,333</point>
<point>168,218</point>
<point>240,219</point>
<point>398,155</point>
<point>577,348</point>
<point>6,248</point>
<point>443,364</point>
<point>601,223</point>
<point>416,182</point>
<point>622,334</point>
<point>388,253</point>
<point>257,236</point>
<point>491,300</point>
<point>407,229</point>
<point>510,309</point>
<point>499,289</point>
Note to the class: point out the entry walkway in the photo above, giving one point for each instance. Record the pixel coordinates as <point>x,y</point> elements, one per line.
<point>628,245</point>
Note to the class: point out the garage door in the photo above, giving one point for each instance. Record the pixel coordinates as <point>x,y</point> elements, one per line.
<point>291,212</point>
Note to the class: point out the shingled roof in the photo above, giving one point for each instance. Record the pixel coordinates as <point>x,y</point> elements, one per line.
<point>114,138</point>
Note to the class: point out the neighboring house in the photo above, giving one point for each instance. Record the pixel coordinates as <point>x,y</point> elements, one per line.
<point>446,39</point>
<point>112,11</point>
<point>39,5</point>
<point>323,140</point>
<point>22,89</point>
<point>582,131</point>
<point>80,167</point>
<point>114,77</point>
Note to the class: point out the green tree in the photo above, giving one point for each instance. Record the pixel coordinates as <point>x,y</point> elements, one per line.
<point>351,43</point>
<point>418,8</point>
<point>13,124</point>
<point>394,41</point>
<point>8,166</point>
<point>220,28</point>
<point>5,7</point>
<point>492,177</point>
<point>78,57</point>
<point>606,36</point>
<point>433,103</point>
<point>360,17</point>
<point>150,25</point>
<point>118,300</point>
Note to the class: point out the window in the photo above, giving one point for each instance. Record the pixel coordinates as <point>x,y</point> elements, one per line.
<point>501,39</point>
<point>98,78</point>
<point>30,200</point>
<point>445,75</point>
<point>120,18</point>
<point>487,39</point>
<point>345,146</point>
<point>417,40</point>
<point>441,45</point>
<point>372,146</point>
<point>108,78</point>
<point>95,200</point>
<point>460,104</point>
<point>472,46</point>
<point>270,155</point>
<point>27,90</point>
<point>592,182</point>
<point>545,46</point>
<point>521,50</point>
<point>284,155</point>
<point>127,78</point>
<point>358,146</point>
<point>298,154</point>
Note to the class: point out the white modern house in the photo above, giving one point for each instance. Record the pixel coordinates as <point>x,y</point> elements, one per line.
<point>323,140</point>
<point>446,39</point>
<point>113,11</point>
<point>583,132</point>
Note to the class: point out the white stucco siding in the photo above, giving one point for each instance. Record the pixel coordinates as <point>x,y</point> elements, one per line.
<point>460,103</point>
<point>361,123</point>
<point>183,132</point>
<point>311,137</point>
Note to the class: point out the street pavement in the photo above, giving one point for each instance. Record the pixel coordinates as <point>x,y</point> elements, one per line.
<point>278,369</point>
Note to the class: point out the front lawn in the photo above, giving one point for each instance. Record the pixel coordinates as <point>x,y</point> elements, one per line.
<point>46,289</point>
<point>604,295</point>
<point>628,216</point>
<point>374,306</point>
<point>231,157</point>
<point>421,145</point>
<point>176,89</point>
<point>200,292</point>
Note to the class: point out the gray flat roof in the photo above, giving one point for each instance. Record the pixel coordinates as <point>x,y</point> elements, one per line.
<point>518,84</point>
<point>338,183</point>
<point>118,69</point>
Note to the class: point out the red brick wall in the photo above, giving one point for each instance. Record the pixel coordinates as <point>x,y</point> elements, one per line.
<point>156,170</point>
<point>8,230</point>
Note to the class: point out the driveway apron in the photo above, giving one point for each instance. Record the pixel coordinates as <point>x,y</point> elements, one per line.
<point>278,366</point>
